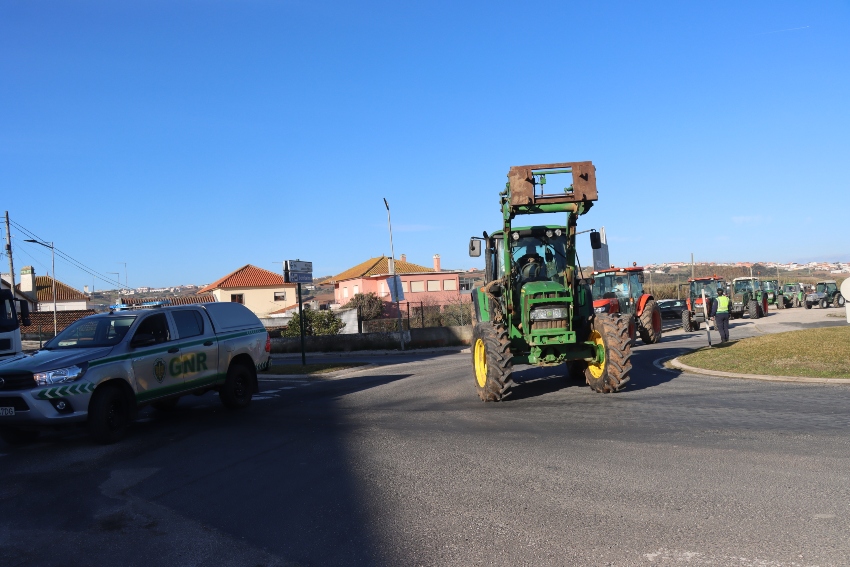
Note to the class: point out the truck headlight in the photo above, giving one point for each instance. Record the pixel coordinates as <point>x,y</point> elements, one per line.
<point>549,313</point>
<point>60,376</point>
<point>603,309</point>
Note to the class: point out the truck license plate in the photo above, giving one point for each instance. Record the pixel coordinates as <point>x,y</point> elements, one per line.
<point>7,411</point>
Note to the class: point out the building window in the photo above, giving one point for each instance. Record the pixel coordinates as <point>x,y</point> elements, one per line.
<point>280,296</point>
<point>417,286</point>
<point>237,298</point>
<point>405,287</point>
<point>449,285</point>
<point>356,290</point>
<point>433,285</point>
<point>345,292</point>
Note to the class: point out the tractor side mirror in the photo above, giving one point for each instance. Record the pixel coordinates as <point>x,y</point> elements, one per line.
<point>474,247</point>
<point>595,240</point>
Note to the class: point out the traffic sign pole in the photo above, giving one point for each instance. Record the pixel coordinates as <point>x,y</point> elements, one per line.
<point>301,320</point>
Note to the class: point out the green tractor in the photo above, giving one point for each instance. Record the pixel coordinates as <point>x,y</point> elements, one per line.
<point>534,308</point>
<point>748,297</point>
<point>772,289</point>
<point>792,295</point>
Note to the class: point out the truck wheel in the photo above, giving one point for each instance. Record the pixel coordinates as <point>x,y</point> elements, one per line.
<point>610,334</point>
<point>17,437</point>
<point>165,405</point>
<point>824,303</point>
<point>686,321</point>
<point>650,323</point>
<point>491,361</point>
<point>753,309</point>
<point>237,389</point>
<point>109,414</point>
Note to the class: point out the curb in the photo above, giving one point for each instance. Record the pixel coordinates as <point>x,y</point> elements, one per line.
<point>765,377</point>
<point>318,376</point>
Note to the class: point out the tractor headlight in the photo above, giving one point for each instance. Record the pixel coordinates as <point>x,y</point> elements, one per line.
<point>549,233</point>
<point>549,313</point>
<point>60,376</point>
<point>603,309</point>
<point>515,236</point>
<point>558,232</point>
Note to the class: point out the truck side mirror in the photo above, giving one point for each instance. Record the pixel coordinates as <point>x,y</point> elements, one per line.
<point>595,240</point>
<point>25,313</point>
<point>474,247</point>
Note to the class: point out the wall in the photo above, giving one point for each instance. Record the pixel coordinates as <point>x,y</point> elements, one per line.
<point>260,300</point>
<point>64,306</point>
<point>374,285</point>
<point>415,338</point>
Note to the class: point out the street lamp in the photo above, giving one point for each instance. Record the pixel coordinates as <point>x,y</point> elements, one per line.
<point>53,268</point>
<point>392,277</point>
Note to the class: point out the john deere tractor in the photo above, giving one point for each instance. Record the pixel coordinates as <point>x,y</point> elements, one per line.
<point>694,313</point>
<point>620,290</point>
<point>533,307</point>
<point>772,289</point>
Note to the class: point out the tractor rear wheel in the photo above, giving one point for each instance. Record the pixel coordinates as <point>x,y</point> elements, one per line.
<point>780,302</point>
<point>610,333</point>
<point>808,305</point>
<point>753,309</point>
<point>491,361</point>
<point>686,321</point>
<point>838,300</point>
<point>650,323</point>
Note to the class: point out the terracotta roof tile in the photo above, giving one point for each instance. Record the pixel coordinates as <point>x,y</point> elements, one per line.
<point>44,319</point>
<point>181,300</point>
<point>246,276</point>
<point>64,292</point>
<point>377,267</point>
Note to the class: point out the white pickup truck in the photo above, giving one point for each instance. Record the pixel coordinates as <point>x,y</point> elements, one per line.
<point>102,368</point>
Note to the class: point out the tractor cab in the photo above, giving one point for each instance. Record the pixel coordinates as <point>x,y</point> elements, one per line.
<point>694,313</point>
<point>617,290</point>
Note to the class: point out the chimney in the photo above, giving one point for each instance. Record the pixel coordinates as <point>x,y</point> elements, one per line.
<point>436,262</point>
<point>403,258</point>
<point>28,280</point>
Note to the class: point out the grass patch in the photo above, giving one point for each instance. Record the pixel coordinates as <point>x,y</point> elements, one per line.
<point>310,368</point>
<point>819,353</point>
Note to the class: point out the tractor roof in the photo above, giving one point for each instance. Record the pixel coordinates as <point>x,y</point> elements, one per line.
<point>612,270</point>
<point>707,279</point>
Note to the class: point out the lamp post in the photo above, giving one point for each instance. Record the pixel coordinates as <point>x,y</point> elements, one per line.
<point>53,278</point>
<point>392,277</point>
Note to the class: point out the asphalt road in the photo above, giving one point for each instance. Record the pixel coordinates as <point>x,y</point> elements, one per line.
<point>401,464</point>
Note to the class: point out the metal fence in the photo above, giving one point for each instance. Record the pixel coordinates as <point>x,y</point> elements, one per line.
<point>419,315</point>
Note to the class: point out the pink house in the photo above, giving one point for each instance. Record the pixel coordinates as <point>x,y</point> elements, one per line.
<point>430,286</point>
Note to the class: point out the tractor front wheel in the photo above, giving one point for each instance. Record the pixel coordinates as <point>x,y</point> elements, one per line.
<point>491,361</point>
<point>780,302</point>
<point>753,309</point>
<point>610,334</point>
<point>824,303</point>
<point>808,305</point>
<point>686,321</point>
<point>650,323</point>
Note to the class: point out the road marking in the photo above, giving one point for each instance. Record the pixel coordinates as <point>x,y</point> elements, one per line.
<point>262,397</point>
<point>659,362</point>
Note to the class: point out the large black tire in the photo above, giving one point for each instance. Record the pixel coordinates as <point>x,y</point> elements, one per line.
<point>686,321</point>
<point>753,309</point>
<point>824,303</point>
<point>780,301</point>
<point>491,361</point>
<point>650,323</point>
<point>838,300</point>
<point>238,387</point>
<point>110,414</point>
<point>611,331</point>
<point>166,405</point>
<point>808,305</point>
<point>17,437</point>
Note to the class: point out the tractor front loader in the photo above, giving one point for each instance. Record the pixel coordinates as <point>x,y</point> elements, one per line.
<point>534,308</point>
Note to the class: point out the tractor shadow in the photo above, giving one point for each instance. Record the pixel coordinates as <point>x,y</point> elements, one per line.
<point>534,381</point>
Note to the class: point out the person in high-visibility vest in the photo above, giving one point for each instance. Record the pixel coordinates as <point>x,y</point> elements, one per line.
<point>720,312</point>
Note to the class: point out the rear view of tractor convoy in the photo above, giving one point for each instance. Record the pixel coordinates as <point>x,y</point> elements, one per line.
<point>534,307</point>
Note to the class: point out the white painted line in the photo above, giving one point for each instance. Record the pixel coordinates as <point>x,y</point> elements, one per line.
<point>262,397</point>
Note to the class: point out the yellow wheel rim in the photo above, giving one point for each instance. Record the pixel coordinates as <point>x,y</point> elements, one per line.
<point>597,369</point>
<point>480,360</point>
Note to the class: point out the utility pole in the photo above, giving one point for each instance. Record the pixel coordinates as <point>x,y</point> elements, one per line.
<point>9,253</point>
<point>392,277</point>
<point>693,267</point>
<point>52,277</point>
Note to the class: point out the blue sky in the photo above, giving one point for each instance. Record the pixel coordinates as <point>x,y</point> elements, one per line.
<point>190,138</point>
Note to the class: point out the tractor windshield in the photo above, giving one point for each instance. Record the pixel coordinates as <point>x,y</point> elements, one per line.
<point>790,288</point>
<point>742,286</point>
<point>709,286</point>
<point>769,286</point>
<point>540,258</point>
<point>826,287</point>
<point>617,285</point>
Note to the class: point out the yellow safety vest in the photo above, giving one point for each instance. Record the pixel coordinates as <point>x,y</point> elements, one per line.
<point>723,304</point>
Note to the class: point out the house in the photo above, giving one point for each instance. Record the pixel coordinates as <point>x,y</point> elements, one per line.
<point>430,286</point>
<point>5,284</point>
<point>40,289</point>
<point>259,290</point>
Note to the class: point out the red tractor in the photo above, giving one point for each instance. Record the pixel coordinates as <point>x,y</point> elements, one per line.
<point>694,313</point>
<point>620,290</point>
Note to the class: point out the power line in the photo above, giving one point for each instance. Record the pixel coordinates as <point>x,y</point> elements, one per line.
<point>62,255</point>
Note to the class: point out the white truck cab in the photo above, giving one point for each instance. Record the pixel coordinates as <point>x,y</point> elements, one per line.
<point>102,368</point>
<point>10,329</point>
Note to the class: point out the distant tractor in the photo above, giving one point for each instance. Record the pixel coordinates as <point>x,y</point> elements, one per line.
<point>792,295</point>
<point>826,293</point>
<point>772,289</point>
<point>620,290</point>
<point>748,297</point>
<point>694,313</point>
<point>534,307</point>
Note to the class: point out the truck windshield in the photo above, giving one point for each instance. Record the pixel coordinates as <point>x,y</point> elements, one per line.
<point>550,254</point>
<point>92,332</point>
<point>8,317</point>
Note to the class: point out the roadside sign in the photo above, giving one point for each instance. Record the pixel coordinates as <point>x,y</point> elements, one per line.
<point>299,277</point>
<point>299,266</point>
<point>396,291</point>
